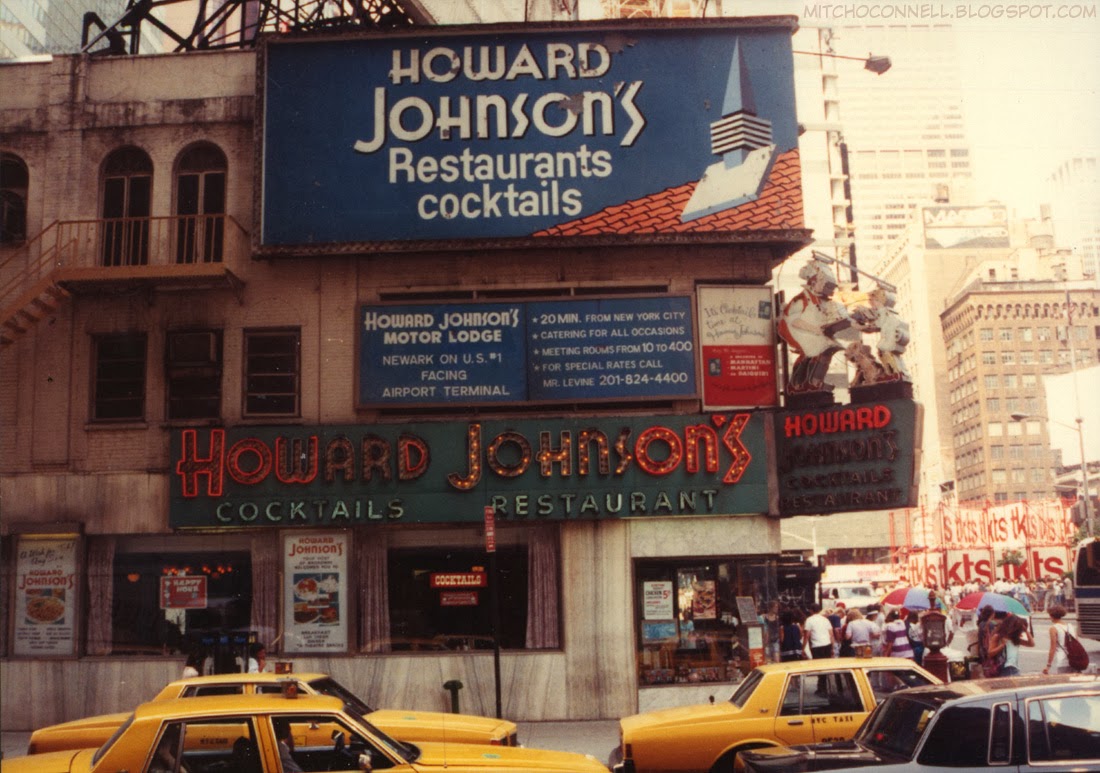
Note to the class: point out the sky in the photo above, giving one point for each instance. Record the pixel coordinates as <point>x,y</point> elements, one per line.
<point>1032,93</point>
<point>1031,80</point>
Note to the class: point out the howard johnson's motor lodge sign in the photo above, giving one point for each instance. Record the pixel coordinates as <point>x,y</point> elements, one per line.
<point>519,133</point>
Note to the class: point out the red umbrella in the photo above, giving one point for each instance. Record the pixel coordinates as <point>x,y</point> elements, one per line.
<point>999,601</point>
<point>910,598</point>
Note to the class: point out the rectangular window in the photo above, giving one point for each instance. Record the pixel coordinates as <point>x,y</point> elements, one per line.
<point>272,379</point>
<point>168,602</point>
<point>193,374</point>
<point>1061,729</point>
<point>439,594</point>
<point>958,739</point>
<point>119,378</point>
<point>689,626</point>
<point>989,358</point>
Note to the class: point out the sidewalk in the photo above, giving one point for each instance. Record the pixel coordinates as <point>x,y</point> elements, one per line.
<point>595,737</point>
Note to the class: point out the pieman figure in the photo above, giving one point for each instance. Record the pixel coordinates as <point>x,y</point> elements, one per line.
<point>808,323</point>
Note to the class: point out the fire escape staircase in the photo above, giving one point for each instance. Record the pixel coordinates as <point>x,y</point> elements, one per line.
<point>155,253</point>
<point>42,300</point>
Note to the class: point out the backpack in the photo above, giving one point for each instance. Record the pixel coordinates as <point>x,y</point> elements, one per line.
<point>1075,651</point>
<point>991,664</point>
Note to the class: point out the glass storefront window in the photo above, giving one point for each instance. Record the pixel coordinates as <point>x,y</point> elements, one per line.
<point>439,598</point>
<point>167,603</point>
<point>689,618</point>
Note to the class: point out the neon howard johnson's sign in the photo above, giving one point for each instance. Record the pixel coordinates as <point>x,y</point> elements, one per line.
<point>448,472</point>
<point>481,133</point>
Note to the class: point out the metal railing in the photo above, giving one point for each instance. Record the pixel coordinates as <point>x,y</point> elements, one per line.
<point>111,243</point>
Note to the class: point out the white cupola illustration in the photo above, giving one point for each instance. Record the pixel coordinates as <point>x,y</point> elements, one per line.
<point>743,142</point>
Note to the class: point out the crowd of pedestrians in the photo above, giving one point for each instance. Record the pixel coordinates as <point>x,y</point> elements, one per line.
<point>991,638</point>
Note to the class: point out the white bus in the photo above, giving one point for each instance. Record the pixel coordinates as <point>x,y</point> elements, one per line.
<point>1086,587</point>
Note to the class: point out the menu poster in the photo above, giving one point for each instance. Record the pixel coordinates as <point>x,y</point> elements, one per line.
<point>315,610</point>
<point>657,600</point>
<point>45,597</point>
<point>737,340</point>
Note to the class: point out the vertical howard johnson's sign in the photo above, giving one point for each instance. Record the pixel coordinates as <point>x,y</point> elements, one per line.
<point>474,133</point>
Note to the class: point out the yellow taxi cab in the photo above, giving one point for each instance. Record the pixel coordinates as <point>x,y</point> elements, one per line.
<point>804,701</point>
<point>280,734</point>
<point>412,726</point>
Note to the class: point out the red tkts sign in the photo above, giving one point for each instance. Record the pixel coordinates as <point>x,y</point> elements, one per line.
<point>459,580</point>
<point>183,592</point>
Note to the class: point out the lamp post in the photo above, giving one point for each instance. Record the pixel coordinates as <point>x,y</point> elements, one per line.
<point>877,65</point>
<point>1079,429</point>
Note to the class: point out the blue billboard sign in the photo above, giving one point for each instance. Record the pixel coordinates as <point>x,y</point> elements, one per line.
<point>546,351</point>
<point>453,133</point>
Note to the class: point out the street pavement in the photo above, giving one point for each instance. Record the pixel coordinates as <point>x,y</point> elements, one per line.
<point>598,737</point>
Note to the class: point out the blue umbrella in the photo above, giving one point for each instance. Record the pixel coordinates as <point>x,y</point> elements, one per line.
<point>999,601</point>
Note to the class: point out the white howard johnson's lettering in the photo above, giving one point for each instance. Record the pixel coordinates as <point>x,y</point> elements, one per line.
<point>500,192</point>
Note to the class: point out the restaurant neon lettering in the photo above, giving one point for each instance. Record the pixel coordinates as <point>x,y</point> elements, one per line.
<point>307,460</point>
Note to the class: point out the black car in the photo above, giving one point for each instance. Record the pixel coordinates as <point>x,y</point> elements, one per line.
<point>1022,723</point>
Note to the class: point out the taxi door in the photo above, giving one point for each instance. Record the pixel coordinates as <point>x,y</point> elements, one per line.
<point>836,706</point>
<point>793,725</point>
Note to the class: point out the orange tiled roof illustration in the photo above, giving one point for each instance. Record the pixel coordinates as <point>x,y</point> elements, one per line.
<point>779,207</point>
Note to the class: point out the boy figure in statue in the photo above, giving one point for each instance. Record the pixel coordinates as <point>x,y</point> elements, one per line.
<point>808,324</point>
<point>893,332</point>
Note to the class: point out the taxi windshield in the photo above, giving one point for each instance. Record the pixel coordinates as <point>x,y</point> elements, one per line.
<point>897,725</point>
<point>110,741</point>
<point>329,686</point>
<point>406,751</point>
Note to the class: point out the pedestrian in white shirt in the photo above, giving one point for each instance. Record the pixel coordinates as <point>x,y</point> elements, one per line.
<point>818,633</point>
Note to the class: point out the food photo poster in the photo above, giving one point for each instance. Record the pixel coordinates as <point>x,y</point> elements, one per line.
<point>45,597</point>
<point>314,599</point>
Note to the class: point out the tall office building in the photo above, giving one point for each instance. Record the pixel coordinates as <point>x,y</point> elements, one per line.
<point>944,248</point>
<point>36,27</point>
<point>905,130</point>
<point>33,27</point>
<point>1075,210</point>
<point>1002,338</point>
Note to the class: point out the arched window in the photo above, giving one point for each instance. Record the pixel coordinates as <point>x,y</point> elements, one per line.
<point>127,203</point>
<point>200,204</point>
<point>14,181</point>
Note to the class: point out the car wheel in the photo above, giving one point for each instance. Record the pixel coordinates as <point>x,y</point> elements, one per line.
<point>725,762</point>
